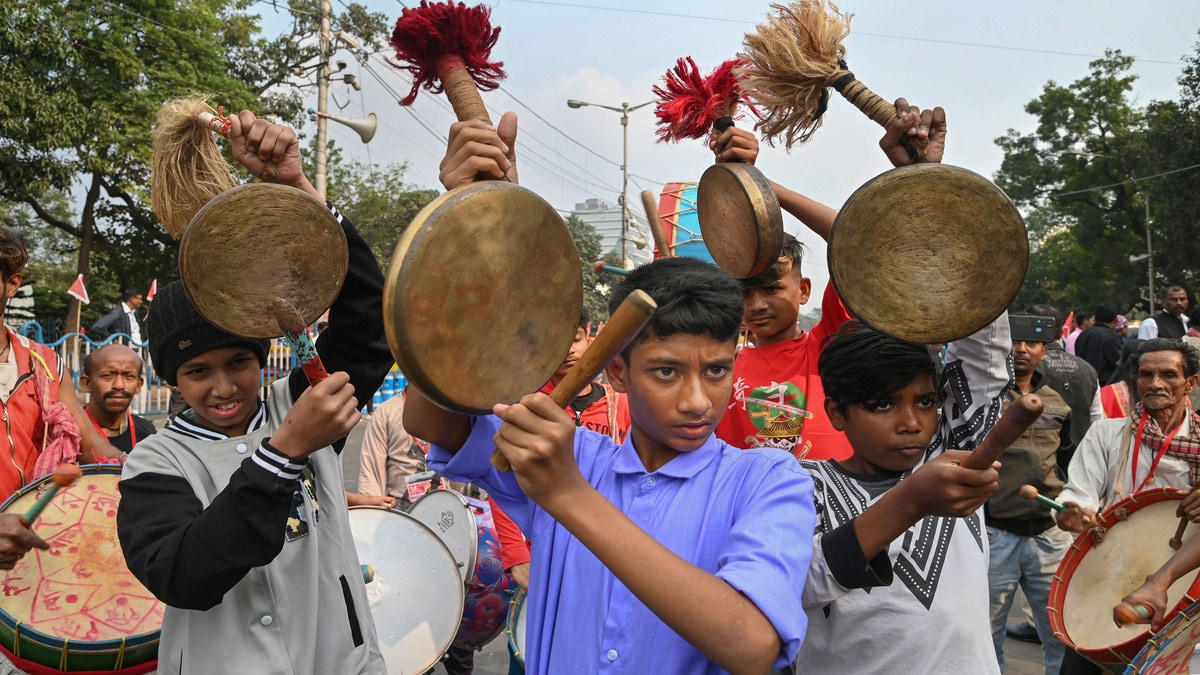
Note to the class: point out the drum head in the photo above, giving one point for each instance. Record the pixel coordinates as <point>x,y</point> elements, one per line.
<point>928,253</point>
<point>416,596</point>
<point>483,296</point>
<point>79,596</point>
<point>1095,575</point>
<point>255,243</point>
<point>448,514</point>
<point>740,219</point>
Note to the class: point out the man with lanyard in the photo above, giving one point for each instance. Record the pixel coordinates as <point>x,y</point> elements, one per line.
<point>112,375</point>
<point>1171,322</point>
<point>1158,445</point>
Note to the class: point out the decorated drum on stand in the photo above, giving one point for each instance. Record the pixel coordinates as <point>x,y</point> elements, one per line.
<point>77,606</point>
<point>414,589</point>
<point>466,526</point>
<point>1107,563</point>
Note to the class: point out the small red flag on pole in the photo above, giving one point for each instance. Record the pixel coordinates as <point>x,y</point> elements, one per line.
<point>78,291</point>
<point>153,289</point>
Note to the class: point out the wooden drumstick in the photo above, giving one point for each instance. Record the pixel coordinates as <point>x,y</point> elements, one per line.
<point>1031,493</point>
<point>602,266</point>
<point>1126,613</point>
<point>1177,540</point>
<point>295,333</point>
<point>622,327</point>
<point>1016,420</point>
<point>61,478</point>
<point>656,226</point>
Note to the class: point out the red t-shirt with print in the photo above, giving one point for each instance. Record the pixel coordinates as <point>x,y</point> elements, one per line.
<point>778,400</point>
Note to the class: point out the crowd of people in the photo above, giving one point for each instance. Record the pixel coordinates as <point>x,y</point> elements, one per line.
<point>810,484</point>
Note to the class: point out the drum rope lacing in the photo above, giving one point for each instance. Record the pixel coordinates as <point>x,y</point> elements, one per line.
<point>1098,532</point>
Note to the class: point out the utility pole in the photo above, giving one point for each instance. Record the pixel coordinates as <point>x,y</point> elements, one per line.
<point>1149,250</point>
<point>323,95</point>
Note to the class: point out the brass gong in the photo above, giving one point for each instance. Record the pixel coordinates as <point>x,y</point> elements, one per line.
<point>258,242</point>
<point>483,296</point>
<point>740,220</point>
<point>928,253</point>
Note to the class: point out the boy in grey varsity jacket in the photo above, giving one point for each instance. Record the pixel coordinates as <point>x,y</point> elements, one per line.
<point>235,515</point>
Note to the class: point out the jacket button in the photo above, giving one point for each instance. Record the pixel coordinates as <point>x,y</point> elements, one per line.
<point>241,448</point>
<point>266,620</point>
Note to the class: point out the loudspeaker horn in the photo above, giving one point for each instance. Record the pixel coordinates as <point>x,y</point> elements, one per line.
<point>364,126</point>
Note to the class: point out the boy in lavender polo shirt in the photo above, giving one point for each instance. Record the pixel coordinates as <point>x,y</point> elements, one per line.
<point>672,552</point>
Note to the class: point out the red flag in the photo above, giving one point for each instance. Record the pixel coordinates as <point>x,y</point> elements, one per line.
<point>153,289</point>
<point>1068,325</point>
<point>77,290</point>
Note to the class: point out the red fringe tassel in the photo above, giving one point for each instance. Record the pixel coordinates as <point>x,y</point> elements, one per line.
<point>427,34</point>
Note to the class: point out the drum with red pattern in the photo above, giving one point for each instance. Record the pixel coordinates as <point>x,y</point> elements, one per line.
<point>466,527</point>
<point>77,607</point>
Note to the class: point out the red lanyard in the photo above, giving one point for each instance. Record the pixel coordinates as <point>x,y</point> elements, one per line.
<point>1137,449</point>
<point>128,417</point>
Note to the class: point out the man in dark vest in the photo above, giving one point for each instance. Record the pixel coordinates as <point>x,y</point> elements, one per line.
<point>1171,322</point>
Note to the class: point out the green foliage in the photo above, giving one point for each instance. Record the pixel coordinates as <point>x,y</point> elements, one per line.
<point>596,285</point>
<point>1076,177</point>
<point>377,201</point>
<point>83,84</point>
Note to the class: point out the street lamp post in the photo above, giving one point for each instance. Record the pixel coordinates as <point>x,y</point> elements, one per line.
<point>625,109</point>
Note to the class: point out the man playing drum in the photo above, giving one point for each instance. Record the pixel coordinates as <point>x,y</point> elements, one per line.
<point>1158,445</point>
<point>235,515</point>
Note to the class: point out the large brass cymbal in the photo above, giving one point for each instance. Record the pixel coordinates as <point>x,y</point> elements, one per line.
<point>483,296</point>
<point>740,219</point>
<point>259,242</point>
<point>928,253</point>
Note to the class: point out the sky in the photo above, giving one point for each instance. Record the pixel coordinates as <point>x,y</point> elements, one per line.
<point>983,62</point>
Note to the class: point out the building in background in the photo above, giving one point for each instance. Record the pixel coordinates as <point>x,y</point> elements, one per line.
<point>606,219</point>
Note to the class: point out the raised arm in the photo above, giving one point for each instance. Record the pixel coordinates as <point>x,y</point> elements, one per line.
<point>538,438</point>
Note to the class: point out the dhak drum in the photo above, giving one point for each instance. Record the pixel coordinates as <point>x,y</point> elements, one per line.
<point>77,606</point>
<point>416,594</point>
<point>1172,650</point>
<point>1100,570</point>
<point>466,526</point>
<point>517,627</point>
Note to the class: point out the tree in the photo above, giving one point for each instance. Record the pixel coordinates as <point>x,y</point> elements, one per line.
<point>1088,135</point>
<point>596,285</point>
<point>84,82</point>
<point>377,201</point>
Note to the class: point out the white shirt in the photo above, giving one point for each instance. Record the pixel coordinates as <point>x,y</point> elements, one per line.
<point>1100,477</point>
<point>1149,328</point>
<point>135,330</point>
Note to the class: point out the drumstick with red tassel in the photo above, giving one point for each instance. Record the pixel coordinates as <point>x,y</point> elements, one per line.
<point>447,46</point>
<point>61,478</point>
<point>622,327</point>
<point>1016,420</point>
<point>690,105</point>
<point>295,333</point>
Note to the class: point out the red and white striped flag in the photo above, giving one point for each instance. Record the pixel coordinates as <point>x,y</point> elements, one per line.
<point>78,291</point>
<point>153,289</point>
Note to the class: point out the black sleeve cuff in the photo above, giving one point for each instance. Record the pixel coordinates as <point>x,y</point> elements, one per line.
<point>846,561</point>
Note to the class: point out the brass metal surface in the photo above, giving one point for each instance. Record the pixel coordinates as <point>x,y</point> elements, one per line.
<point>483,296</point>
<point>258,242</point>
<point>740,220</point>
<point>928,253</point>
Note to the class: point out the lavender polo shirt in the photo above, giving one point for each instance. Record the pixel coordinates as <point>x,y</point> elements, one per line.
<point>746,516</point>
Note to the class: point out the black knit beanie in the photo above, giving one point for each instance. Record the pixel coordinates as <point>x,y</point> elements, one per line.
<point>178,333</point>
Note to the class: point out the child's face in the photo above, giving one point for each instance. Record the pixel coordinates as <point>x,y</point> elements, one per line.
<point>771,311</point>
<point>678,388</point>
<point>889,435</point>
<point>221,385</point>
<point>578,347</point>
